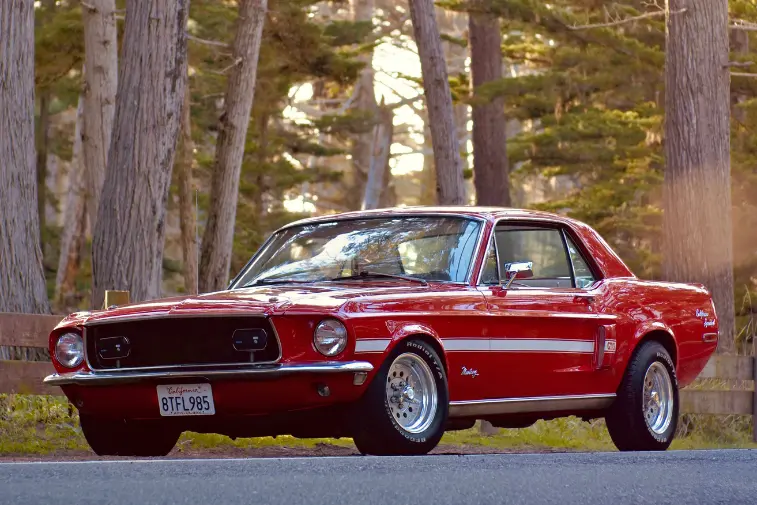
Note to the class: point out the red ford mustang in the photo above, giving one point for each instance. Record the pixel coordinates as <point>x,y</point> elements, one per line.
<point>391,327</point>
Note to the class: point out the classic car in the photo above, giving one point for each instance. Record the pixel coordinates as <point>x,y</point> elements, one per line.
<point>390,327</point>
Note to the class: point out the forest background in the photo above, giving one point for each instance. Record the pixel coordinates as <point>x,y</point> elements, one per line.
<point>333,116</point>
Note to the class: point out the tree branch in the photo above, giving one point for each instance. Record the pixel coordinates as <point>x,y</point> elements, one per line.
<point>406,101</point>
<point>206,41</point>
<point>742,74</point>
<point>236,62</point>
<point>622,21</point>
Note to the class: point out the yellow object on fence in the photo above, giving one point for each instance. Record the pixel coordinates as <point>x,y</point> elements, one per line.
<point>115,298</point>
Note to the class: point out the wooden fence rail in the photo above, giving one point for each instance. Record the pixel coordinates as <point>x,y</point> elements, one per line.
<point>25,377</point>
<point>26,330</point>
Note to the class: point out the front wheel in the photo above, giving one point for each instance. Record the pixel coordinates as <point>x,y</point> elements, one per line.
<point>124,437</point>
<point>645,414</point>
<point>405,408</point>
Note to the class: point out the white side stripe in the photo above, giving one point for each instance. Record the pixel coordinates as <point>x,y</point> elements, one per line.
<point>541,345</point>
<point>498,345</point>
<point>466,344</point>
<point>372,345</point>
<point>518,345</point>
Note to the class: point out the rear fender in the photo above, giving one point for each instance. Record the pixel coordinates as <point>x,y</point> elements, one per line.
<point>645,329</point>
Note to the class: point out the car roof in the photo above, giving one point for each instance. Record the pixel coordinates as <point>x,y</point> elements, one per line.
<point>485,213</point>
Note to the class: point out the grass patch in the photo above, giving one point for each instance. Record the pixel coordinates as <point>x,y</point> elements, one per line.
<point>43,425</point>
<point>198,441</point>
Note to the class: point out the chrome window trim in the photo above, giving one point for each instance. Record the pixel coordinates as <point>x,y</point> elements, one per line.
<point>588,261</point>
<point>537,221</point>
<point>178,367</point>
<point>468,276</point>
<point>83,378</point>
<point>565,246</point>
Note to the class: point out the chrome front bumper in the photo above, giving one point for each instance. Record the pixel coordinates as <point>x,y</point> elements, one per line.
<point>251,372</point>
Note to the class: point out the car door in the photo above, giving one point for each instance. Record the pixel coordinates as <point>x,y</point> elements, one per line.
<point>544,332</point>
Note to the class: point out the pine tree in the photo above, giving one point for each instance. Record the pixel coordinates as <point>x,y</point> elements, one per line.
<point>219,231</point>
<point>490,173</point>
<point>22,281</point>
<point>697,192</point>
<point>127,250</point>
<point>449,171</point>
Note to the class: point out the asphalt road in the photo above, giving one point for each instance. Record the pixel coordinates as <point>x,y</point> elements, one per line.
<point>680,477</point>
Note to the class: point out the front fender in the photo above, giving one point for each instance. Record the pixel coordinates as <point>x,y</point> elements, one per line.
<point>398,331</point>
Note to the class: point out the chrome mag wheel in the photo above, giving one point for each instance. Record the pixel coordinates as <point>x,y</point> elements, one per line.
<point>658,398</point>
<point>411,393</point>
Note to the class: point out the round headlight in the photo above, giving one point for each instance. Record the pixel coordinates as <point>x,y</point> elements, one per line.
<point>330,337</point>
<point>69,350</point>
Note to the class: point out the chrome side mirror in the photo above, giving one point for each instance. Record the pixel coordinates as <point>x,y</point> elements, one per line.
<point>518,270</point>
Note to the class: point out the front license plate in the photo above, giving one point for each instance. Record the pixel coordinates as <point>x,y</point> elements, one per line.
<point>186,400</point>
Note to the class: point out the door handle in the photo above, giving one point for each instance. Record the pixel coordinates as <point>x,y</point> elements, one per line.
<point>584,298</point>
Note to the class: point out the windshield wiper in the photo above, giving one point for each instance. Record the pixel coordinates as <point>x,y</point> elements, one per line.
<point>366,275</point>
<point>266,281</point>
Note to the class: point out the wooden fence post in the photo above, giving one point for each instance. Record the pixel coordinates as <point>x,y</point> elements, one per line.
<point>754,398</point>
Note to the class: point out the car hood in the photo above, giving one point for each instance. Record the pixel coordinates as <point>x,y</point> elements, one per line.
<point>261,300</point>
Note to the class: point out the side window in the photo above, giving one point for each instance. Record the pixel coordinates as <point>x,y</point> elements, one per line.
<point>542,246</point>
<point>584,277</point>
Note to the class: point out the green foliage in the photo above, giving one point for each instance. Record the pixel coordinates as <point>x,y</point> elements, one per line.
<point>59,43</point>
<point>346,33</point>
<point>591,102</point>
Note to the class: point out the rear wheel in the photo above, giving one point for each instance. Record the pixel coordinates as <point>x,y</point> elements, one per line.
<point>123,437</point>
<point>644,416</point>
<point>405,408</point>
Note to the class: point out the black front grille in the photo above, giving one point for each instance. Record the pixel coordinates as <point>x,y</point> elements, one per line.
<point>175,341</point>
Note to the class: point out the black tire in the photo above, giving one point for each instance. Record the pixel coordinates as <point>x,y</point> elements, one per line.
<point>122,437</point>
<point>376,430</point>
<point>626,420</point>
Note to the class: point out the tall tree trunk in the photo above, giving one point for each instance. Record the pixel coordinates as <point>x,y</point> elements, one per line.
<point>43,133</point>
<point>22,278</point>
<point>101,81</point>
<point>365,102</point>
<point>377,174</point>
<point>697,188</point>
<point>449,173</point>
<point>74,222</point>
<point>388,189</point>
<point>428,194</point>
<point>455,24</point>
<point>490,170</point>
<point>43,137</point>
<point>218,238</point>
<point>187,221</point>
<point>127,249</point>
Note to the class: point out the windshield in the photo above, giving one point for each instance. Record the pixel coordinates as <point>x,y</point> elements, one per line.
<point>428,248</point>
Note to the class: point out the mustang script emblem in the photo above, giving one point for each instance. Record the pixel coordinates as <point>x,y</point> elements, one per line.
<point>469,371</point>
